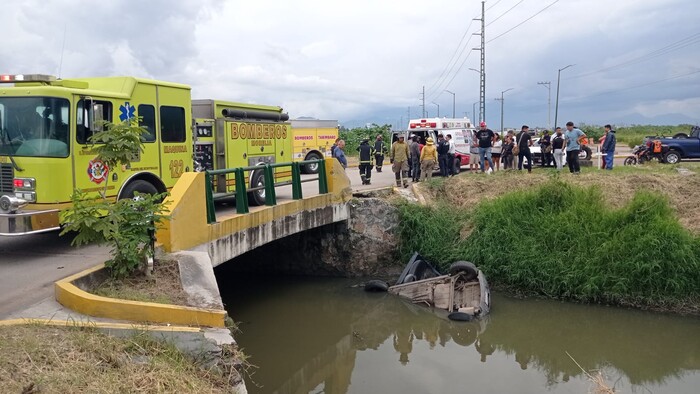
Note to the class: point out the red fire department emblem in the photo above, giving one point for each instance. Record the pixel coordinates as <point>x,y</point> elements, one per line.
<point>97,171</point>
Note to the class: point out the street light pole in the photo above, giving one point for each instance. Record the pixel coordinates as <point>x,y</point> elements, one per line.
<point>548,85</point>
<point>556,106</point>
<point>438,106</point>
<point>502,107</point>
<point>453,101</point>
<point>482,108</point>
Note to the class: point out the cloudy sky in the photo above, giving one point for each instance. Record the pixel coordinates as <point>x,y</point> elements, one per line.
<point>635,61</point>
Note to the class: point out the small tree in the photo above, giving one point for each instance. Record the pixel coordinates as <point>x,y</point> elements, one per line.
<point>127,225</point>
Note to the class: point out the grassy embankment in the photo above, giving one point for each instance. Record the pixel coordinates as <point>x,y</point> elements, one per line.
<point>47,359</point>
<point>600,237</point>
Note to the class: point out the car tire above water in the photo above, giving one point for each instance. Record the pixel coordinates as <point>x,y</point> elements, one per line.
<point>376,286</point>
<point>470,270</point>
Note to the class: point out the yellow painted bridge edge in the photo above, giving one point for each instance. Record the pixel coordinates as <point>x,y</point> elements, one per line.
<point>70,296</point>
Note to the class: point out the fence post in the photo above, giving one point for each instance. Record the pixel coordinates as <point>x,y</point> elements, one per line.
<point>322,180</point>
<point>270,197</point>
<point>241,195</point>
<point>211,211</point>
<point>296,181</point>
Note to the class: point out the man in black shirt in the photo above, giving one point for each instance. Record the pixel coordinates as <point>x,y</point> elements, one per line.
<point>366,153</point>
<point>524,142</point>
<point>486,138</point>
<point>380,150</point>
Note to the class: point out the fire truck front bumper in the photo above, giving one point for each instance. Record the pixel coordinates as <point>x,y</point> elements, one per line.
<point>28,222</point>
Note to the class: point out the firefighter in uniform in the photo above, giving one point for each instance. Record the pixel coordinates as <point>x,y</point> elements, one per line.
<point>399,161</point>
<point>380,150</point>
<point>366,158</point>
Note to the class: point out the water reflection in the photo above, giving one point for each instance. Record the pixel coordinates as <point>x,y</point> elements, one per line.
<point>310,335</point>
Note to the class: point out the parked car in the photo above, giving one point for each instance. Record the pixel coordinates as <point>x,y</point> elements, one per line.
<point>679,147</point>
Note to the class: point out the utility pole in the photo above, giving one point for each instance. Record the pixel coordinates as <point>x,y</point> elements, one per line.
<point>549,102</point>
<point>423,101</point>
<point>482,49</point>
<point>453,101</point>
<point>556,108</point>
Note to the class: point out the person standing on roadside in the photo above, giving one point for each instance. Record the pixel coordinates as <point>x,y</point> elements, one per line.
<point>414,150</point>
<point>558,149</point>
<point>380,150</point>
<point>399,161</point>
<point>486,138</point>
<point>340,154</point>
<point>546,149</point>
<point>428,157</point>
<point>524,142</point>
<point>609,147</point>
<point>473,152</point>
<point>335,145</point>
<point>573,138</point>
<point>507,152</point>
<point>442,148</point>
<point>451,155</point>
<point>496,152</point>
<point>366,153</point>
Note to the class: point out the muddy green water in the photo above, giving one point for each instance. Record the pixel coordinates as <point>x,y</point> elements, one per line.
<point>326,336</point>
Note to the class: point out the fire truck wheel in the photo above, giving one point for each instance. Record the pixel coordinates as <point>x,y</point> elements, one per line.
<point>311,168</point>
<point>257,197</point>
<point>141,186</point>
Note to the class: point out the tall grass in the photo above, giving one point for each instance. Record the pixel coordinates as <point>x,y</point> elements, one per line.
<point>562,241</point>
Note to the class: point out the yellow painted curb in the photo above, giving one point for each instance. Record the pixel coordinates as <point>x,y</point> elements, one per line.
<point>70,296</point>
<point>114,326</point>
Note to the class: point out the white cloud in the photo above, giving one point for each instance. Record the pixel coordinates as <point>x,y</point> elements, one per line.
<point>368,60</point>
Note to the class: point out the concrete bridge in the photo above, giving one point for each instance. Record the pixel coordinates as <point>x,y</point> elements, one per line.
<point>233,234</point>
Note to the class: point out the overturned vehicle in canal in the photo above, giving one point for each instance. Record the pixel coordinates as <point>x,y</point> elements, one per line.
<point>463,291</point>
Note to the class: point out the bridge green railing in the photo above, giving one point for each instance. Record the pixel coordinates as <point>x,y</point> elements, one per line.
<point>240,192</point>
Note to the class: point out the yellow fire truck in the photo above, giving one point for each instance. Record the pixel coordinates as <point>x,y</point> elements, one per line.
<point>313,139</point>
<point>45,124</point>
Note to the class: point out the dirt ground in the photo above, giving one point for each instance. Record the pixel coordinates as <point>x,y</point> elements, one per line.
<point>617,186</point>
<point>164,287</point>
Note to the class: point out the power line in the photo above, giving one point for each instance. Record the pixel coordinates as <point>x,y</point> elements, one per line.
<point>637,86</point>
<point>459,46</point>
<point>521,23</point>
<point>687,41</point>
<point>507,11</point>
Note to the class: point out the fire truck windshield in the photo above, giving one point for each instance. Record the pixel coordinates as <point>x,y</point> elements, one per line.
<point>34,126</point>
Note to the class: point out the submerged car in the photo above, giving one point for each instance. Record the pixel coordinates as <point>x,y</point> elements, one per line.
<point>463,292</point>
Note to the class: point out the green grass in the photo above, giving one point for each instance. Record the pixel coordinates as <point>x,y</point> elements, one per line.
<point>563,241</point>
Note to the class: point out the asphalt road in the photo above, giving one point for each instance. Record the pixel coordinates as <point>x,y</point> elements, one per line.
<point>29,265</point>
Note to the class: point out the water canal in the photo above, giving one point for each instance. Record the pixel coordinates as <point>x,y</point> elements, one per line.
<point>321,335</point>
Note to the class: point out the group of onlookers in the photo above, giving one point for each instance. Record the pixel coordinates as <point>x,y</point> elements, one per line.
<point>418,158</point>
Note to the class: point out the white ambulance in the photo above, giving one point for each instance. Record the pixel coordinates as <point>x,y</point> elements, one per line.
<point>461,129</point>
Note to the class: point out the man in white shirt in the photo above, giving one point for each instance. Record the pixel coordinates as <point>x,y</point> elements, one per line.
<point>451,156</point>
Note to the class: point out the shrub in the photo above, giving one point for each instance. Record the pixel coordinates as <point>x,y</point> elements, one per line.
<point>562,241</point>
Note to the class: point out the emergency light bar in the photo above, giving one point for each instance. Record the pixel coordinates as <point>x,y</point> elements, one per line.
<point>8,78</point>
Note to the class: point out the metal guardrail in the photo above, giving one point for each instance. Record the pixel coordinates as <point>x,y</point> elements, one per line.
<point>240,192</point>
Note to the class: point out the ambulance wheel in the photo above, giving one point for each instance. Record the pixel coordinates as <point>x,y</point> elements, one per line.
<point>257,197</point>
<point>140,186</point>
<point>458,165</point>
<point>312,168</point>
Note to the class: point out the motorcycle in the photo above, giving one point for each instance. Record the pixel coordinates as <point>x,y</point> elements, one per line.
<point>650,150</point>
